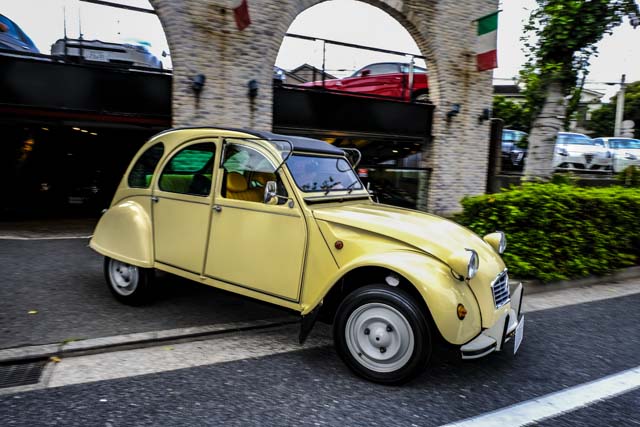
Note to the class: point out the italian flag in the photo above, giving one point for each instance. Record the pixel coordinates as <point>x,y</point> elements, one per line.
<point>486,47</point>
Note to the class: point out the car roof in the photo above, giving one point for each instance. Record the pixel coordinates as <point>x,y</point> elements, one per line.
<point>299,143</point>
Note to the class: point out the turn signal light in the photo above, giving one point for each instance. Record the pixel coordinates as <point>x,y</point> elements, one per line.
<point>462,312</point>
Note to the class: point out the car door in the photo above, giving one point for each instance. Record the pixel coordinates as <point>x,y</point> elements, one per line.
<point>376,79</point>
<point>182,206</point>
<point>255,245</point>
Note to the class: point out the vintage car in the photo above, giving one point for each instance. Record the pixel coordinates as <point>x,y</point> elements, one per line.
<point>392,79</point>
<point>578,152</point>
<point>625,151</point>
<point>286,220</point>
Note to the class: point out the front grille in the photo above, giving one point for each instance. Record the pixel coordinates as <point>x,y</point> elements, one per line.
<point>500,289</point>
<point>588,158</point>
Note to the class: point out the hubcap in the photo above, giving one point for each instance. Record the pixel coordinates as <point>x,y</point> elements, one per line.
<point>379,337</point>
<point>124,277</point>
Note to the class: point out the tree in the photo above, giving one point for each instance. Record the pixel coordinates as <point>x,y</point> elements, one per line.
<point>515,115</point>
<point>564,34</point>
<point>602,120</point>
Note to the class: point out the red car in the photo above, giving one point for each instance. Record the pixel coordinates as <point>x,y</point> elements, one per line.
<point>384,79</point>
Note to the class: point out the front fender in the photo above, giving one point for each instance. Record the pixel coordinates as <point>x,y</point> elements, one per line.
<point>124,233</point>
<point>433,280</point>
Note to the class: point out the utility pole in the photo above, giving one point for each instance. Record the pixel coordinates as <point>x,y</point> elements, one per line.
<point>619,108</point>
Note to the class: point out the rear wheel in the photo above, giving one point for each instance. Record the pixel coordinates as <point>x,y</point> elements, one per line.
<point>420,97</point>
<point>128,283</point>
<point>382,334</point>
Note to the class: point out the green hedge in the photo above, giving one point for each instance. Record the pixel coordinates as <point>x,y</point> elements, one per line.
<point>558,231</point>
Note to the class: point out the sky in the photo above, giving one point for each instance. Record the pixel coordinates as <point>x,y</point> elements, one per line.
<point>334,20</point>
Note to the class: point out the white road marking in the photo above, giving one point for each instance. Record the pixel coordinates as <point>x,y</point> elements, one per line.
<point>557,403</point>
<point>9,237</point>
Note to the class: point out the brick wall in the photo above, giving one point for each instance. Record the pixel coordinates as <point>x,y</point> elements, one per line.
<point>203,39</point>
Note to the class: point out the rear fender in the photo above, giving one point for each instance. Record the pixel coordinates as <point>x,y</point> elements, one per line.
<point>124,233</point>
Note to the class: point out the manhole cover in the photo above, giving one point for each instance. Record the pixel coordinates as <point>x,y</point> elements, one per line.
<point>17,374</point>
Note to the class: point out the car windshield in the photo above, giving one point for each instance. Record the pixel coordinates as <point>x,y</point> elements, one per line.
<point>512,135</point>
<point>625,143</point>
<point>315,173</point>
<point>574,139</point>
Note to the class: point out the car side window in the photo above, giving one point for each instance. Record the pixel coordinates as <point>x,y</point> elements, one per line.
<point>142,172</point>
<point>379,69</point>
<point>189,171</point>
<point>246,173</point>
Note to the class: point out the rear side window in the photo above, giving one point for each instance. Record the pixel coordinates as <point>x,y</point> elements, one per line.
<point>142,172</point>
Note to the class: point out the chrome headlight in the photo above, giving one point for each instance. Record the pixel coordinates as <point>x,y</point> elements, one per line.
<point>630,156</point>
<point>465,264</point>
<point>497,240</point>
<point>562,151</point>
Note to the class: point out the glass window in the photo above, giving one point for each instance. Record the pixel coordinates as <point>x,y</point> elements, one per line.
<point>312,173</point>
<point>574,139</point>
<point>377,69</point>
<point>416,70</point>
<point>189,171</point>
<point>246,172</point>
<point>142,171</point>
<point>625,143</point>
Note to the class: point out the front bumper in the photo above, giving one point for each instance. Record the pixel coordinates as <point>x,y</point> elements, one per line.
<point>494,338</point>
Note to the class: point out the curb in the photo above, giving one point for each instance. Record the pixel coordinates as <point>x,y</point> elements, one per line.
<point>132,341</point>
<point>536,286</point>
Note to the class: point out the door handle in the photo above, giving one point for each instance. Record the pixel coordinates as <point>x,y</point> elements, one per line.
<point>217,208</point>
<point>155,199</point>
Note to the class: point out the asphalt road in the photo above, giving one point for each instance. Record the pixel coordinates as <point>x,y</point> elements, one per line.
<point>563,347</point>
<point>62,281</point>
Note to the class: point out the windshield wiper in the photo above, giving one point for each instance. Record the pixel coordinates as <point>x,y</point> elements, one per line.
<point>350,186</point>
<point>329,187</point>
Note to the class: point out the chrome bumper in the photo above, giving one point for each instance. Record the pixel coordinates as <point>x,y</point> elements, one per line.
<point>494,338</point>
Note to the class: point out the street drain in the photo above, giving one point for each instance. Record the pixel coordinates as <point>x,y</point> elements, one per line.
<point>24,373</point>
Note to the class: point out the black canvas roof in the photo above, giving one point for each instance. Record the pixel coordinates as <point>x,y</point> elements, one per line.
<point>300,143</point>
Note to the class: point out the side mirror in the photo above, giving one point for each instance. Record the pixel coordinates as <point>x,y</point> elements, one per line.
<point>365,73</point>
<point>271,193</point>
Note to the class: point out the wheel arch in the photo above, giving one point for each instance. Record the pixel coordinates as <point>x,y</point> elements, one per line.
<point>125,233</point>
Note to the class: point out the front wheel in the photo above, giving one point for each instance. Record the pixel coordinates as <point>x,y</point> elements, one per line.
<point>128,283</point>
<point>382,335</point>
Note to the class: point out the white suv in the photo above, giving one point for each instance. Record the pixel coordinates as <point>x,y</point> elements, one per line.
<point>578,152</point>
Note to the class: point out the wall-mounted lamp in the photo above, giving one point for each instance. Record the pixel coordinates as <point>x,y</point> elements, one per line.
<point>485,115</point>
<point>455,110</point>
<point>197,83</point>
<point>253,89</point>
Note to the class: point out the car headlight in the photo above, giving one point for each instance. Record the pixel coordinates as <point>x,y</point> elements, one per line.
<point>465,264</point>
<point>630,156</point>
<point>497,240</point>
<point>562,151</point>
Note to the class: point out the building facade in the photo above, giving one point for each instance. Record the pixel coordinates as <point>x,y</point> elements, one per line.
<point>204,39</point>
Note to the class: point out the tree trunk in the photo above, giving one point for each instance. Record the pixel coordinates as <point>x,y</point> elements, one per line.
<point>542,139</point>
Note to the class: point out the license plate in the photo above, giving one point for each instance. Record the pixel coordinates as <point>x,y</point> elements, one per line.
<point>95,56</point>
<point>519,335</point>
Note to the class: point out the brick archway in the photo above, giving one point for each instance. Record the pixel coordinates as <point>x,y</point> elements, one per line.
<point>204,40</point>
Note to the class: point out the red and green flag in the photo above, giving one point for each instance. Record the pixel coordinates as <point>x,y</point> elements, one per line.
<point>486,45</point>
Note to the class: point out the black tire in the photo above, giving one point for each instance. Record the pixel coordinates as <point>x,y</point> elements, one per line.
<point>138,281</point>
<point>351,322</point>
<point>422,96</point>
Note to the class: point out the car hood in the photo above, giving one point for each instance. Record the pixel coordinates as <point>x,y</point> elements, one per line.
<point>434,235</point>
<point>582,149</point>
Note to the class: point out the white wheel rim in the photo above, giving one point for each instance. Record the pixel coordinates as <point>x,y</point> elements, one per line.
<point>379,337</point>
<point>124,277</point>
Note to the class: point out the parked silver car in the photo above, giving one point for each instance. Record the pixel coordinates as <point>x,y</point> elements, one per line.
<point>105,53</point>
<point>578,152</point>
<point>625,151</point>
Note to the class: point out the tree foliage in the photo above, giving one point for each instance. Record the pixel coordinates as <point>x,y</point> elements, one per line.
<point>603,119</point>
<point>515,115</point>
<point>565,34</point>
